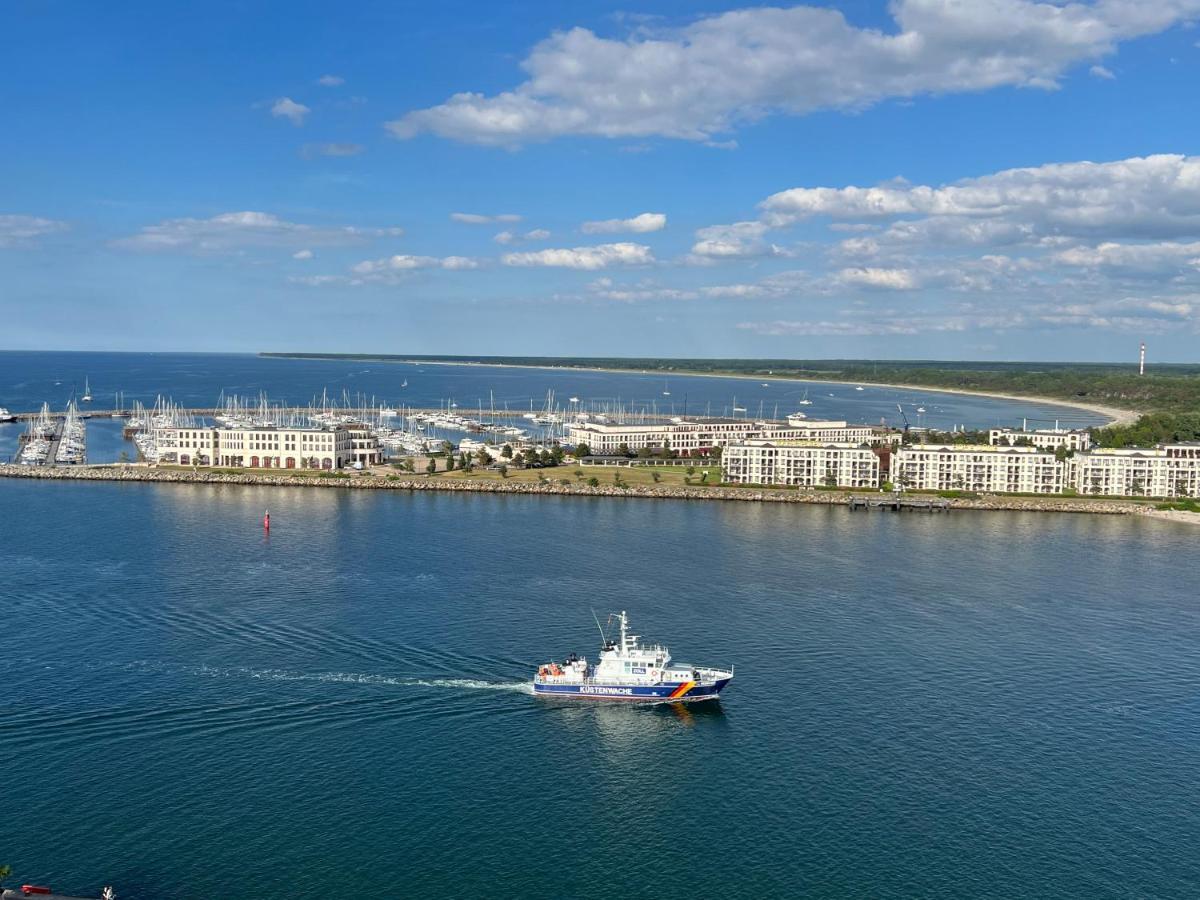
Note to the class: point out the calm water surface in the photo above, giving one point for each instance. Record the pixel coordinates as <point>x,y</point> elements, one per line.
<point>997,705</point>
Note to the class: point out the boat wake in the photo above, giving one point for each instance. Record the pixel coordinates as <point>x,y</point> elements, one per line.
<point>474,684</point>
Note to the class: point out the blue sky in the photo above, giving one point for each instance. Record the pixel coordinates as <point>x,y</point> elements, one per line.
<point>995,179</point>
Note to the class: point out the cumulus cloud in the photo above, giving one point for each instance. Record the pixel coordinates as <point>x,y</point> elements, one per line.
<point>1170,255</point>
<point>872,277</point>
<point>639,224</point>
<point>598,257</point>
<point>331,81</point>
<point>287,108</point>
<point>236,231</point>
<point>1101,72</point>
<point>739,240</point>
<point>477,219</point>
<point>18,230</point>
<point>739,66</point>
<point>1153,196</point>
<point>309,151</point>
<point>302,254</point>
<point>400,263</point>
<point>511,237</point>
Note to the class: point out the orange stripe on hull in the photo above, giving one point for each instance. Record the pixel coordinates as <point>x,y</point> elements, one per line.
<point>681,690</point>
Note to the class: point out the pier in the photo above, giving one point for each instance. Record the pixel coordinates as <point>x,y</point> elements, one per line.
<point>897,503</point>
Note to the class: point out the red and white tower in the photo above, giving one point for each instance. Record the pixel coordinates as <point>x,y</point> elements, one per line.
<point>1142,360</point>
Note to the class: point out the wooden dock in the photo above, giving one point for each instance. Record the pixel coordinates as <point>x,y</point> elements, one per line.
<point>899,503</point>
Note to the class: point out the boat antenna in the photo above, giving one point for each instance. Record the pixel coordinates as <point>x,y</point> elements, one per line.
<point>603,636</point>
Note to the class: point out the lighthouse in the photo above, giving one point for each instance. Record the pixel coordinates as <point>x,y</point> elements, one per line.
<point>1142,359</point>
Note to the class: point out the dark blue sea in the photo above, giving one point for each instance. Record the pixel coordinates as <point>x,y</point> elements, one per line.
<point>963,705</point>
<point>28,379</point>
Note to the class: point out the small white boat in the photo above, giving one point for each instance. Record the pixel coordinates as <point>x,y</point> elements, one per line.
<point>859,388</point>
<point>87,392</point>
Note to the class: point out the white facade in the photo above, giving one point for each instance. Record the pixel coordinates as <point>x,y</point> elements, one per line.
<point>977,467</point>
<point>1045,438</point>
<point>267,448</point>
<point>801,464</point>
<point>700,436</point>
<point>1172,470</point>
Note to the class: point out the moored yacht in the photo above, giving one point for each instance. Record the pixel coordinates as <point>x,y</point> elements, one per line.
<point>628,670</point>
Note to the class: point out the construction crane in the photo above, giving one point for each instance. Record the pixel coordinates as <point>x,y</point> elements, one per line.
<point>904,417</point>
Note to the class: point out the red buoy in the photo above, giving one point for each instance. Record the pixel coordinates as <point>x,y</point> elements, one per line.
<point>267,521</point>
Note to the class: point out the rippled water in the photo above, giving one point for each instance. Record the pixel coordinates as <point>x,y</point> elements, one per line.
<point>972,704</point>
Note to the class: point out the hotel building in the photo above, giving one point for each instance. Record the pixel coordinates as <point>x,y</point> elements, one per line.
<point>1171,470</point>
<point>697,437</point>
<point>1045,438</point>
<point>978,467</point>
<point>800,464</point>
<point>268,448</point>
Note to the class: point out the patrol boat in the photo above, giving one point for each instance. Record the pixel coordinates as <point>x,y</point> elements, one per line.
<point>628,670</point>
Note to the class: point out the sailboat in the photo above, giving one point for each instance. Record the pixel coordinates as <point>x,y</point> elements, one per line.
<point>805,401</point>
<point>666,389</point>
<point>87,392</point>
<point>404,383</point>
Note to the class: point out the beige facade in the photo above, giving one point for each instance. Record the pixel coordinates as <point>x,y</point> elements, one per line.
<point>697,437</point>
<point>1172,470</point>
<point>800,464</point>
<point>268,448</point>
<point>977,467</point>
<point>1044,438</point>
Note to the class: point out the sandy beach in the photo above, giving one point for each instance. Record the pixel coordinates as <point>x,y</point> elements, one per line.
<point>1113,414</point>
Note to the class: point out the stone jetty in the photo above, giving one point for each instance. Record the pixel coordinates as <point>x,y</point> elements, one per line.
<point>358,481</point>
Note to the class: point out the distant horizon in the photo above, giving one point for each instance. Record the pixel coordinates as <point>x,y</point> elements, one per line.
<point>467,357</point>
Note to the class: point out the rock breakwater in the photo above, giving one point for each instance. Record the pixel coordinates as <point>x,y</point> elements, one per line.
<point>136,473</point>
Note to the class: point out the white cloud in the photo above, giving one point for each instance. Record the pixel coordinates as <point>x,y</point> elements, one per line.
<point>1101,72</point>
<point>380,269</point>
<point>331,81</point>
<point>308,151</point>
<point>739,66</point>
<point>477,219</point>
<point>317,280</point>
<point>739,240</point>
<point>871,277</point>
<point>641,293</point>
<point>20,230</point>
<point>639,224</point>
<point>1158,256</point>
<point>510,237</point>
<point>598,257</point>
<point>302,254</point>
<point>287,108</point>
<point>235,231</point>
<point>1153,196</point>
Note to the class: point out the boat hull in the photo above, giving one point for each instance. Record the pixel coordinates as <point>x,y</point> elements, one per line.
<point>677,692</point>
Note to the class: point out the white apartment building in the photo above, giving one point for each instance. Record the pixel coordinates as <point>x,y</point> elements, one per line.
<point>1172,470</point>
<point>1045,438</point>
<point>267,448</point>
<point>800,464</point>
<point>697,437</point>
<point>978,467</point>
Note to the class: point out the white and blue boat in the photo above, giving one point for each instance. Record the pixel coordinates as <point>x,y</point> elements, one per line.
<point>628,670</point>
